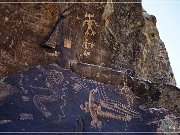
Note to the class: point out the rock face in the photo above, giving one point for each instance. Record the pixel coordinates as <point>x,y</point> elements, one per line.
<point>120,38</point>
<point>117,35</point>
<point>51,98</point>
<point>115,46</point>
<point>23,27</point>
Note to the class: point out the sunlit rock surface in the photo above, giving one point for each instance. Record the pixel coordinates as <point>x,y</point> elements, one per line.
<point>117,35</point>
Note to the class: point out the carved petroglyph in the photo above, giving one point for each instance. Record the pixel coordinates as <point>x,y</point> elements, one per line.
<point>99,103</point>
<point>128,94</point>
<point>87,46</point>
<point>25,98</point>
<point>54,77</point>
<point>5,90</point>
<point>67,43</point>
<point>21,81</point>
<point>108,10</point>
<point>80,82</point>
<point>77,87</point>
<point>90,22</point>
<point>93,109</point>
<point>64,104</point>
<point>41,100</point>
<point>54,54</point>
<point>86,53</point>
<point>5,121</point>
<point>26,116</point>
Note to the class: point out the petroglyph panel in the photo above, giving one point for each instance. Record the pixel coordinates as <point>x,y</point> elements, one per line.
<point>50,95</point>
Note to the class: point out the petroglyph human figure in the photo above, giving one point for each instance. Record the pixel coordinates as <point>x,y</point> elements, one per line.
<point>89,23</point>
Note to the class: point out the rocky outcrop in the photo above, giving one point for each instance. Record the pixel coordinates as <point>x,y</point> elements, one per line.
<point>111,68</point>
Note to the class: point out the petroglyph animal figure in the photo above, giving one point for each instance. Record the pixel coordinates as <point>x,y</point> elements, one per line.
<point>54,77</point>
<point>100,104</point>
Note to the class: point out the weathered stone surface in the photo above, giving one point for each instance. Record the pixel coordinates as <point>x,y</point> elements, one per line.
<point>114,47</point>
<point>23,28</point>
<point>116,35</point>
<point>51,98</point>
